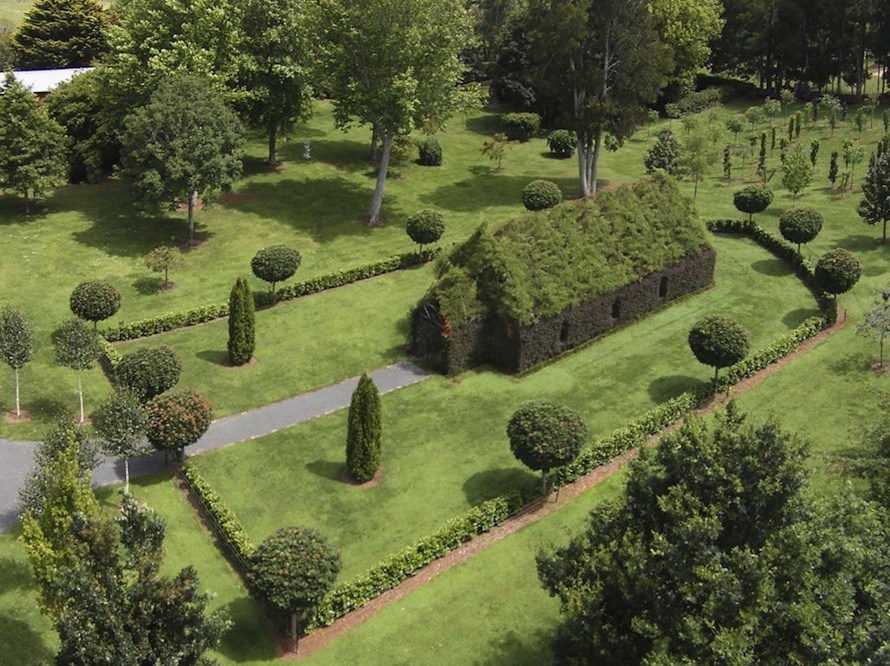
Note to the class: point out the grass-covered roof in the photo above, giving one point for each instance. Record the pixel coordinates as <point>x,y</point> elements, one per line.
<point>540,264</point>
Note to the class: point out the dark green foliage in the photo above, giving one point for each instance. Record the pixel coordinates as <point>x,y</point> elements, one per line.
<point>32,145</point>
<point>61,33</point>
<point>364,431</point>
<point>665,154</point>
<point>520,126</point>
<point>713,554</point>
<point>718,341</point>
<point>832,168</point>
<point>540,195</point>
<point>837,271</point>
<point>430,151</point>
<point>800,225</point>
<point>752,199</point>
<point>275,263</point>
<point>148,372</point>
<point>176,420</point>
<point>292,570</point>
<point>874,207</point>
<point>562,143</point>
<point>544,435</point>
<point>698,101</point>
<point>95,300</point>
<point>814,151</point>
<point>242,324</point>
<point>727,163</point>
<point>425,226</point>
<point>120,424</point>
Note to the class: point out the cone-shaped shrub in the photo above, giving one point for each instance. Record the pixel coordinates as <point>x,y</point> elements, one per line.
<point>241,323</point>
<point>364,431</point>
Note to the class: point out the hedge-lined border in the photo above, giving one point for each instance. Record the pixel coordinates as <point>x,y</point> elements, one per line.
<point>398,567</point>
<point>171,321</point>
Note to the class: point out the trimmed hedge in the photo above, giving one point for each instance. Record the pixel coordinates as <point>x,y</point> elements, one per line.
<point>520,126</point>
<point>203,314</point>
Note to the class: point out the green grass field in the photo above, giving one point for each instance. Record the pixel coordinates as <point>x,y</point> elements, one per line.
<point>445,448</point>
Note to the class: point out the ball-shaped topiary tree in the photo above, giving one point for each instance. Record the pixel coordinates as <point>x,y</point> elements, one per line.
<point>800,225</point>
<point>837,271</point>
<point>425,226</point>
<point>541,194</point>
<point>562,143</point>
<point>544,435</point>
<point>176,420</point>
<point>149,372</point>
<point>718,341</point>
<point>95,300</point>
<point>292,570</point>
<point>274,264</point>
<point>430,152</point>
<point>363,434</point>
<point>752,199</point>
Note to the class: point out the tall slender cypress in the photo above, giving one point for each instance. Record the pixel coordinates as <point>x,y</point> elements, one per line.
<point>364,428</point>
<point>241,323</point>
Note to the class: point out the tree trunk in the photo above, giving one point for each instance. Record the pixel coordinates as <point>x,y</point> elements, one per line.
<point>273,145</point>
<point>27,203</point>
<point>881,347</point>
<point>18,411</point>
<point>193,199</point>
<point>295,637</point>
<point>80,395</point>
<point>126,476</point>
<point>377,200</point>
<point>375,138</point>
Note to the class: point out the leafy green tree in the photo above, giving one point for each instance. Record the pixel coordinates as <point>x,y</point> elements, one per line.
<point>718,341</point>
<point>544,435</point>
<point>149,371</point>
<point>604,60</point>
<point>735,126</point>
<point>875,323</point>
<point>830,107</point>
<point>814,151</point>
<point>697,157</point>
<point>95,300</point>
<point>837,271</point>
<point>874,207</point>
<point>292,570</point>
<point>800,225</point>
<point>32,145</point>
<point>496,148</point>
<point>395,66</point>
<point>425,226</point>
<point>16,344</point>
<point>275,263</point>
<point>176,420</point>
<point>715,554</point>
<point>78,348</point>
<point>665,154</point>
<point>161,260</point>
<point>275,67</point>
<point>832,168</point>
<point>184,144</point>
<point>120,423</point>
<point>242,323</point>
<point>853,155</point>
<point>752,199</point>
<point>797,172</point>
<point>364,431</point>
<point>61,33</point>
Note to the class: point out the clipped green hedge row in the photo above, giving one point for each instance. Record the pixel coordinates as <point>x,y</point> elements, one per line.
<point>398,567</point>
<point>226,522</point>
<point>200,315</point>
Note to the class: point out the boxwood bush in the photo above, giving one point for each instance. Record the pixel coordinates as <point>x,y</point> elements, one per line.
<point>430,152</point>
<point>521,126</point>
<point>562,143</point>
<point>541,194</point>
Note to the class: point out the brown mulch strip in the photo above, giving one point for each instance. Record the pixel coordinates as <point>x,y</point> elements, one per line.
<point>321,637</point>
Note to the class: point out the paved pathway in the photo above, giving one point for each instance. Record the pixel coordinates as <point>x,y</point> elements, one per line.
<point>16,458</point>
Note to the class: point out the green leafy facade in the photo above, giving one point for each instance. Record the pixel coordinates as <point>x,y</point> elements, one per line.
<point>518,293</point>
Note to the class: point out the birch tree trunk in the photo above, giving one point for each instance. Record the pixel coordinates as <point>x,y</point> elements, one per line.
<point>377,200</point>
<point>18,411</point>
<point>193,199</point>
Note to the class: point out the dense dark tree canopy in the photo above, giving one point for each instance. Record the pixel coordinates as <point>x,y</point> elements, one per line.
<point>176,420</point>
<point>544,435</point>
<point>718,341</point>
<point>149,371</point>
<point>837,271</point>
<point>275,263</point>
<point>800,225</point>
<point>61,33</point>
<point>714,555</point>
<point>425,226</point>
<point>95,300</point>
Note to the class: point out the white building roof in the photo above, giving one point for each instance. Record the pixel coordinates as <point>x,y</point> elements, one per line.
<point>44,80</point>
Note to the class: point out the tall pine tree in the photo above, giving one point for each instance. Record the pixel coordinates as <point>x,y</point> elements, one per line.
<point>61,33</point>
<point>363,436</point>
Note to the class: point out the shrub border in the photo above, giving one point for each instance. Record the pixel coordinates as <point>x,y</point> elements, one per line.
<point>396,568</point>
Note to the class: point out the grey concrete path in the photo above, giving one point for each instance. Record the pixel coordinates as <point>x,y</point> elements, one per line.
<point>16,458</point>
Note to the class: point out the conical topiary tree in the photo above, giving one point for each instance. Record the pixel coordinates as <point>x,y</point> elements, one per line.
<point>665,154</point>
<point>241,323</point>
<point>364,428</point>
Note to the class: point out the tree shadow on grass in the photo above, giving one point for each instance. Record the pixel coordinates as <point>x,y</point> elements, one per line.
<point>29,645</point>
<point>670,386</point>
<point>861,242</point>
<point>493,483</point>
<point>487,189</point>
<point>250,639</point>
<point>772,267</point>
<point>515,649</point>
<point>486,124</point>
<point>794,318</point>
<point>214,356</point>
<point>16,574</point>
<point>147,286</point>
<point>854,364</point>
<point>327,469</point>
